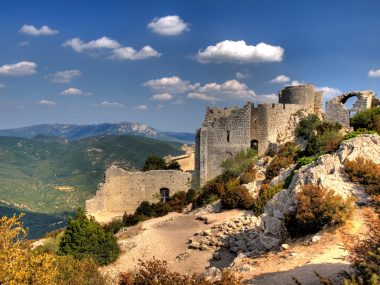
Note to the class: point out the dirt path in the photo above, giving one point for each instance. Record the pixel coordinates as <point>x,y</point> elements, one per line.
<point>325,257</point>
<point>166,238</point>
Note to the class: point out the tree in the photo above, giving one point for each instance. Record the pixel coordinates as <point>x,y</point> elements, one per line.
<point>174,165</point>
<point>154,163</point>
<point>84,238</point>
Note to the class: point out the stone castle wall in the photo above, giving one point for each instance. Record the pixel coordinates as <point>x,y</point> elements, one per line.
<point>123,191</point>
<point>225,132</point>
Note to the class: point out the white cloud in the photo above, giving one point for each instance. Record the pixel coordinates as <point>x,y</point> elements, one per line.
<point>2,86</point>
<point>168,26</point>
<point>202,96</point>
<point>162,97</point>
<point>47,103</point>
<point>18,69</point>
<point>111,104</point>
<point>242,75</point>
<point>374,73</point>
<point>296,83</point>
<point>239,51</point>
<point>329,92</point>
<point>102,43</point>
<point>33,31</point>
<point>23,44</point>
<point>74,92</point>
<point>141,108</point>
<point>280,79</point>
<point>172,84</point>
<point>63,76</point>
<point>128,53</point>
<point>159,106</point>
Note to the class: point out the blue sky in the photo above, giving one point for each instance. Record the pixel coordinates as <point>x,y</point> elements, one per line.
<point>162,62</point>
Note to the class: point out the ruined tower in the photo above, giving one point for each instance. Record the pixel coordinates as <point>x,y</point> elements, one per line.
<point>225,132</point>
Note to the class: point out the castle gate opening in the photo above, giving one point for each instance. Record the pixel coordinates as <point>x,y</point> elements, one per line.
<point>164,195</point>
<point>255,145</point>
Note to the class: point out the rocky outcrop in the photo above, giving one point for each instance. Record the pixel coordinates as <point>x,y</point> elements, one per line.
<point>327,171</point>
<point>254,235</point>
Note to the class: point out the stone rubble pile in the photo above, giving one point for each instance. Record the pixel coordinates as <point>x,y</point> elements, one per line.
<point>236,235</point>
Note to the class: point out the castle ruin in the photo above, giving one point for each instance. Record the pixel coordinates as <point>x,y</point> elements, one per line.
<point>336,111</point>
<point>225,132</point>
<point>123,191</point>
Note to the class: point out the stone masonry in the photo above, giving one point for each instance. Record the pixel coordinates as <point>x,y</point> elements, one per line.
<point>337,112</point>
<point>225,132</point>
<point>123,191</point>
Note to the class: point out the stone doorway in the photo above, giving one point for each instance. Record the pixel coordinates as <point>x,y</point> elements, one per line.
<point>255,145</point>
<point>164,195</point>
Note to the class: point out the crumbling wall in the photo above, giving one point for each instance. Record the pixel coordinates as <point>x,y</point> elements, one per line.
<point>123,191</point>
<point>336,111</point>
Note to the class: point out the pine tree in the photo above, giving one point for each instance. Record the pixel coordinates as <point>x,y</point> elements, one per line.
<point>84,238</point>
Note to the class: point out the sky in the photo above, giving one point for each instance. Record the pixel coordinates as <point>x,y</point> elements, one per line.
<point>163,62</point>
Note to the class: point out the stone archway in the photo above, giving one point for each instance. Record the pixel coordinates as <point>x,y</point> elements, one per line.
<point>336,111</point>
<point>164,195</point>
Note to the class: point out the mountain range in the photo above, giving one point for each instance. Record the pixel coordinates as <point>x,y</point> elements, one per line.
<point>76,132</point>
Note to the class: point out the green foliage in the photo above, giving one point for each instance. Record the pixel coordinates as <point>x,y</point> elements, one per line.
<point>286,157</point>
<point>367,119</point>
<point>152,210</point>
<point>154,162</point>
<point>354,134</point>
<point>326,139</point>
<point>266,193</point>
<point>85,238</point>
<point>307,126</point>
<point>237,198</point>
<point>316,208</point>
<point>305,160</point>
<point>365,172</point>
<point>239,162</point>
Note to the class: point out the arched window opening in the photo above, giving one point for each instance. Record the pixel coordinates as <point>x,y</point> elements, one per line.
<point>164,195</point>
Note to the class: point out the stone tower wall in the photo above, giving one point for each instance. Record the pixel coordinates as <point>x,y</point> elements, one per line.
<point>300,95</point>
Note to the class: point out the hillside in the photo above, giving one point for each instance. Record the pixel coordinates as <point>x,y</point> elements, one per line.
<point>75,132</point>
<point>51,175</point>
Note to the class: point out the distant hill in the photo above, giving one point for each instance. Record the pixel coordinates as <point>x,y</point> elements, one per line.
<point>47,174</point>
<point>75,132</point>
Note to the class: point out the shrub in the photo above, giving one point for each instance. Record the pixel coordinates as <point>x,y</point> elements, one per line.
<point>285,157</point>
<point>325,142</point>
<point>238,197</point>
<point>307,126</point>
<point>316,208</point>
<point>154,163</point>
<point>131,220</point>
<point>266,193</point>
<point>71,271</point>
<point>239,163</point>
<point>209,193</point>
<point>156,272</point>
<point>173,165</point>
<point>177,202</point>
<point>305,160</point>
<point>114,226</point>
<point>367,119</point>
<point>190,196</point>
<point>365,172</point>
<point>249,175</point>
<point>85,238</point>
